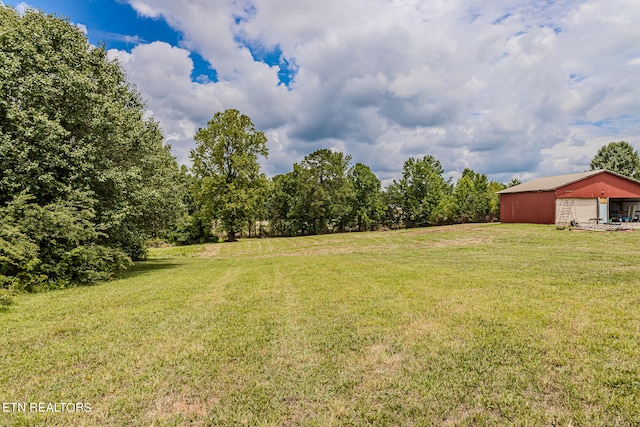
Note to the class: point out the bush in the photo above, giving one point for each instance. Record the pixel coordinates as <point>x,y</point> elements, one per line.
<point>192,229</point>
<point>52,246</point>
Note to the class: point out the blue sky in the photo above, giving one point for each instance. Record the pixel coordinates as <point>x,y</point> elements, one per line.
<point>117,25</point>
<point>510,88</point>
<point>114,23</point>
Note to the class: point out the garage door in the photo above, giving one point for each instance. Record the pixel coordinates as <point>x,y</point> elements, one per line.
<point>585,209</point>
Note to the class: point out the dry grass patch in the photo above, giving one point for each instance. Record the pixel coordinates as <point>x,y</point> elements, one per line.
<point>380,360</point>
<point>179,410</point>
<point>210,251</point>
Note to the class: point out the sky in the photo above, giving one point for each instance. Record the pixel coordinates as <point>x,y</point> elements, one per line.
<point>508,88</point>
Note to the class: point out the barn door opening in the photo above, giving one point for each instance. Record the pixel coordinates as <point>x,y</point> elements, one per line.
<point>624,210</point>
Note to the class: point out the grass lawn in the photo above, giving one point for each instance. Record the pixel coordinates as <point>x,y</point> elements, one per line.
<point>463,325</point>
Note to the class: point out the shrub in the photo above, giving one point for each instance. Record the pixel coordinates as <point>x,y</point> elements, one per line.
<point>52,246</point>
<point>193,229</point>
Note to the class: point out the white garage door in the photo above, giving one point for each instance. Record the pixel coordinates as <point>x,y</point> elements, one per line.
<point>585,209</point>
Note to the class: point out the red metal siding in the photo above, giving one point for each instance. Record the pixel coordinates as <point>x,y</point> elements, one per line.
<point>539,207</point>
<point>535,208</point>
<point>601,185</point>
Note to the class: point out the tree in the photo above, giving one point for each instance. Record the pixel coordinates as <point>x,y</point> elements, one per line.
<point>475,197</point>
<point>74,141</point>
<point>323,189</point>
<point>393,200</point>
<point>514,181</point>
<point>494,199</point>
<point>472,198</point>
<point>193,226</point>
<point>140,194</point>
<point>619,157</point>
<point>281,205</point>
<point>366,201</point>
<point>422,187</point>
<point>226,160</point>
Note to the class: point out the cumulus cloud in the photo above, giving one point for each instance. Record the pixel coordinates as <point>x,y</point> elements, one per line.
<point>21,7</point>
<point>82,28</point>
<point>507,88</point>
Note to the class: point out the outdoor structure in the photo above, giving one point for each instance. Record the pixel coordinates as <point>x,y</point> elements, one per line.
<point>598,196</point>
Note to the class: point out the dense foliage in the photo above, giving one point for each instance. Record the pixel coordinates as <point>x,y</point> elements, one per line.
<point>619,157</point>
<point>52,246</point>
<point>225,161</point>
<point>193,226</point>
<point>367,206</point>
<point>422,188</point>
<point>85,178</point>
<point>325,193</point>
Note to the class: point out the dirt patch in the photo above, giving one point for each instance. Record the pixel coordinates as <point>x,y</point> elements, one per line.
<point>465,415</point>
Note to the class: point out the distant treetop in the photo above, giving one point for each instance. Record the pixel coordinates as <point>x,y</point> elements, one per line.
<point>619,157</point>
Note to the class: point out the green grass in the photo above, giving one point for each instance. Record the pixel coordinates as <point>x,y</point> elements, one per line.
<point>463,325</point>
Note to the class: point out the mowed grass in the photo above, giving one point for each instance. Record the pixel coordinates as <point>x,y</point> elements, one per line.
<point>463,325</point>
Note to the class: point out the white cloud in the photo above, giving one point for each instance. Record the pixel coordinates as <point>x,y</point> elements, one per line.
<point>510,87</point>
<point>145,9</point>
<point>82,28</point>
<point>22,7</point>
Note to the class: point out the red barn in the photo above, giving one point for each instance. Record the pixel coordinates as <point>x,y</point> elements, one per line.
<point>594,196</point>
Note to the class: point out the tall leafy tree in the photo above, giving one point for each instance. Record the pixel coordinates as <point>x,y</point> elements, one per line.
<point>226,160</point>
<point>619,157</point>
<point>366,201</point>
<point>74,140</point>
<point>476,197</point>
<point>281,205</point>
<point>393,200</point>
<point>422,187</point>
<point>473,199</point>
<point>324,190</point>
<point>471,196</point>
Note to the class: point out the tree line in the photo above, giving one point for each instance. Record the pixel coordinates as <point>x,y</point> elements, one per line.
<point>325,192</point>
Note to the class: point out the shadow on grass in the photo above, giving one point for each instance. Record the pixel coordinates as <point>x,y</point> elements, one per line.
<point>143,267</point>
